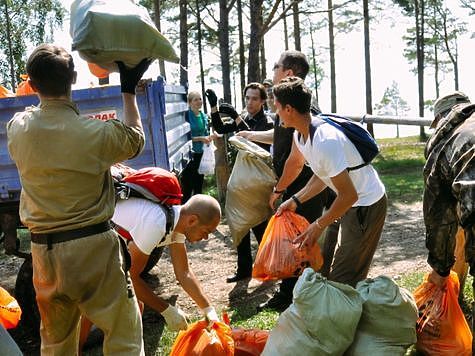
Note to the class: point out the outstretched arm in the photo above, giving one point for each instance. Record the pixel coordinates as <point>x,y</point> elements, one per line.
<point>185,275</point>
<point>266,137</point>
<point>174,317</point>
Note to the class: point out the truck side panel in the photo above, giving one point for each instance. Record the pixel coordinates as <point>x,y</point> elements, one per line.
<point>162,109</point>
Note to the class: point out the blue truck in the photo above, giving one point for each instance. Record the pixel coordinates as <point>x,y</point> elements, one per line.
<point>162,108</point>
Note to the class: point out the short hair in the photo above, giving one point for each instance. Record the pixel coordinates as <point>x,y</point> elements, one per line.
<point>192,95</point>
<point>258,86</point>
<point>204,206</point>
<point>293,91</point>
<point>51,70</point>
<point>297,61</point>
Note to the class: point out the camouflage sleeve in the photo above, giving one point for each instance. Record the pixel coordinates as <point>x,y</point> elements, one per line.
<point>463,185</point>
<point>439,213</point>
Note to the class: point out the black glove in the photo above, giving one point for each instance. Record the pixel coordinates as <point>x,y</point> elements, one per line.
<point>129,77</point>
<point>229,110</point>
<point>212,98</point>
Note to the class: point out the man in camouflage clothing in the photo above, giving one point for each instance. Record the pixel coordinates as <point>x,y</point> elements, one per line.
<point>449,184</point>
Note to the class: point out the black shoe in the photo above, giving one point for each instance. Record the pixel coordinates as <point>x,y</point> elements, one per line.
<point>238,277</point>
<point>277,302</point>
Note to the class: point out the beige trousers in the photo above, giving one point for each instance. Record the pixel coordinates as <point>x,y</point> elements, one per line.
<point>85,276</point>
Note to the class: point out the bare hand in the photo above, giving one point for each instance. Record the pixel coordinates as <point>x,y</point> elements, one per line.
<point>289,204</point>
<point>244,134</point>
<point>206,139</point>
<point>309,237</point>
<point>273,198</point>
<point>437,279</point>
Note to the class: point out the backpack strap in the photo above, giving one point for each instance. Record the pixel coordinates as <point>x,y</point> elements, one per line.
<point>170,220</point>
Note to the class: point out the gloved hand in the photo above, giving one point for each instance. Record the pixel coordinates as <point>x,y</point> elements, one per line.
<point>129,77</point>
<point>212,98</point>
<point>175,318</point>
<point>229,110</point>
<point>210,314</point>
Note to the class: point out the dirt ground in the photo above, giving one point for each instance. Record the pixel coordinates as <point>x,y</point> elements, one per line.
<point>401,250</point>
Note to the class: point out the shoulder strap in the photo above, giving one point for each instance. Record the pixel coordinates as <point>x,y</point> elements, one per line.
<point>170,218</point>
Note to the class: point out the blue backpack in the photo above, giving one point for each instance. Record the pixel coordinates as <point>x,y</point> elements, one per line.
<point>357,134</point>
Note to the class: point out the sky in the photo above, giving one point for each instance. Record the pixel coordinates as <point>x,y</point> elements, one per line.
<point>387,63</point>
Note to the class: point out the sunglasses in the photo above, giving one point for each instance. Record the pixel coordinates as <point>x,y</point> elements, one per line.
<point>277,66</point>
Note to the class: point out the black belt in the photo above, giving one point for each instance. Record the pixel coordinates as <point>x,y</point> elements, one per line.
<point>63,236</point>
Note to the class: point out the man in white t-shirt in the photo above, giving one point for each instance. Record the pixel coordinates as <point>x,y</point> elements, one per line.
<point>145,221</point>
<point>361,201</point>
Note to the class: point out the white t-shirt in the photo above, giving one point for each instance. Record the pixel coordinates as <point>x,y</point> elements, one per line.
<point>330,152</point>
<point>146,223</point>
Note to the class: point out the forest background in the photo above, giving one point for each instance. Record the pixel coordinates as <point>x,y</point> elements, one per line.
<point>386,57</point>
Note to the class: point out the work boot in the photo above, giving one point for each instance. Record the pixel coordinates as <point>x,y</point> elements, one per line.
<point>239,276</point>
<point>277,302</point>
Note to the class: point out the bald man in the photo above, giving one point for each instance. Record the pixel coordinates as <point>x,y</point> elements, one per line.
<point>145,221</point>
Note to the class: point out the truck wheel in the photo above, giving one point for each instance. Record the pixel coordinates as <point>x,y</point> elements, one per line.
<point>26,297</point>
<point>153,259</point>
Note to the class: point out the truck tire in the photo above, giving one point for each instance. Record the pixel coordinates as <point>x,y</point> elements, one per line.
<point>153,259</point>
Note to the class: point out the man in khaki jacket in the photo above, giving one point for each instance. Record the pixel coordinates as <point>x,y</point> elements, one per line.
<point>67,200</point>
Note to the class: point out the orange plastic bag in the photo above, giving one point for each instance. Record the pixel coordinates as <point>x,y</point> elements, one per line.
<point>441,327</point>
<point>5,93</point>
<point>24,88</point>
<point>279,255</point>
<point>98,71</point>
<point>197,340</point>
<point>10,312</point>
<point>249,342</point>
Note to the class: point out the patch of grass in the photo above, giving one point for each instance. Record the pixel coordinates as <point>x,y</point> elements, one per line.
<point>209,186</point>
<point>400,165</point>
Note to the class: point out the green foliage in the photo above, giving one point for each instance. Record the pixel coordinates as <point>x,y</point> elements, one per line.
<point>28,22</point>
<point>392,103</point>
<point>400,166</point>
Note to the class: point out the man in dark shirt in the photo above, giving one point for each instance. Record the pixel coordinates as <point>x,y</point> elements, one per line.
<point>293,175</point>
<point>255,97</point>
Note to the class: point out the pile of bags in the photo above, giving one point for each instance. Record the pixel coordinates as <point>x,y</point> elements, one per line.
<point>330,318</point>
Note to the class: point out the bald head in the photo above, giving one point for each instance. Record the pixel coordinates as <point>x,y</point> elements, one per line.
<point>204,206</point>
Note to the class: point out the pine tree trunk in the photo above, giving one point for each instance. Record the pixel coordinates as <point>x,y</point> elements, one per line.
<point>13,80</point>
<point>295,10</point>
<point>419,12</point>
<point>242,60</point>
<point>161,62</point>
<point>367,57</point>
<point>314,63</point>
<point>286,32</point>
<point>253,72</point>
<point>332,56</point>
<point>223,36</point>
<point>200,54</point>
<point>183,43</point>
<point>263,60</point>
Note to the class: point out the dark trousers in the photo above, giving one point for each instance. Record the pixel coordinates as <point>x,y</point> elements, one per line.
<point>244,252</point>
<point>191,180</point>
<point>312,209</point>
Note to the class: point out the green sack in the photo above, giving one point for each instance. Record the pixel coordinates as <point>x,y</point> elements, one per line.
<point>249,188</point>
<point>105,31</point>
<point>322,319</point>
<point>388,324</point>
